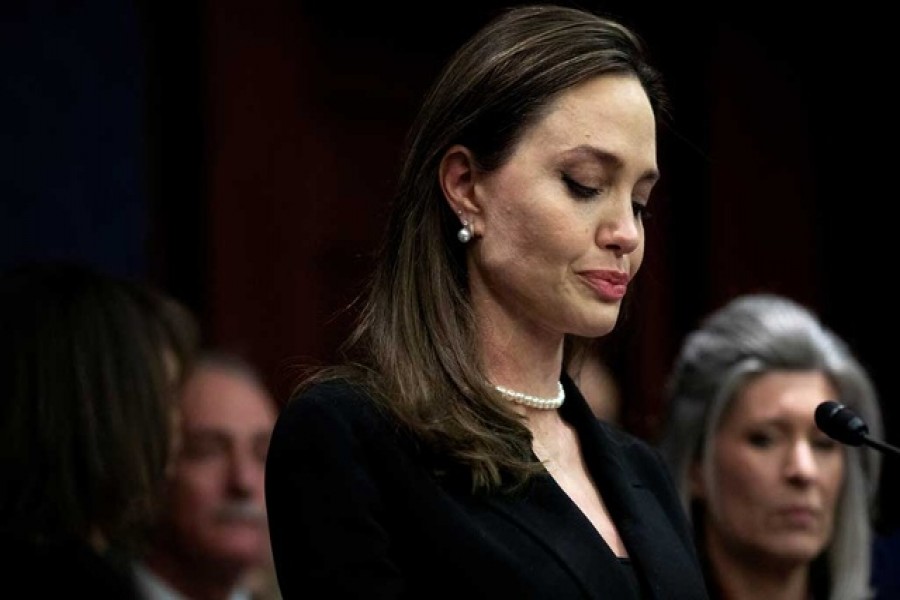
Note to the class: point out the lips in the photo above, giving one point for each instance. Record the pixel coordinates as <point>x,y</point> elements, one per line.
<point>800,516</point>
<point>608,284</point>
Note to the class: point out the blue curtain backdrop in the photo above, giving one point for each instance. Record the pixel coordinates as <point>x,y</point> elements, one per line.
<point>72,151</point>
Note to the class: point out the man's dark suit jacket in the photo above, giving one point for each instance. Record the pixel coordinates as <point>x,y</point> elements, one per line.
<point>355,511</point>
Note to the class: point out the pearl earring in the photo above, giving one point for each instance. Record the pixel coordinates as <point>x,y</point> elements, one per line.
<point>465,234</point>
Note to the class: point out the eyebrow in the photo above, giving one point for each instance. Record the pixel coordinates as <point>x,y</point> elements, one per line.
<point>784,423</point>
<point>612,160</point>
<point>204,433</point>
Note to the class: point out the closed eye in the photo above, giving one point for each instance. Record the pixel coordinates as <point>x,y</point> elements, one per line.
<point>825,444</point>
<point>640,211</point>
<point>760,439</point>
<point>578,190</point>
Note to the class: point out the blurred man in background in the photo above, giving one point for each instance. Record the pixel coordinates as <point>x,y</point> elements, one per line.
<point>212,541</point>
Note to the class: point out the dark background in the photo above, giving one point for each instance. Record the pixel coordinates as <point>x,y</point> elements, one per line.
<point>241,156</point>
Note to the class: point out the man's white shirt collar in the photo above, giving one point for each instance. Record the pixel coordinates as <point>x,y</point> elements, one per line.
<point>152,587</point>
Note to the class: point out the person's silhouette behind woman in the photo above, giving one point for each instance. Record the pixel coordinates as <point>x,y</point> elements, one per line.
<point>88,369</point>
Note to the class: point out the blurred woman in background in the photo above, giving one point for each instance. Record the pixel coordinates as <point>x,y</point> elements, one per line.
<point>780,510</point>
<point>89,367</point>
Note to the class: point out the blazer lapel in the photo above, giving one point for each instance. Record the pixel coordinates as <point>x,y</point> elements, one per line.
<point>656,550</point>
<point>547,514</point>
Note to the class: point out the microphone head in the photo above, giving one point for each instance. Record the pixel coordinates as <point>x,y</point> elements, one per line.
<point>840,423</point>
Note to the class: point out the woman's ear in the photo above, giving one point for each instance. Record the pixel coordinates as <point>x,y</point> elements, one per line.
<point>457,177</point>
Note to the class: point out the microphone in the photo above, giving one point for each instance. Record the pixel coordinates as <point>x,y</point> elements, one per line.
<point>842,424</point>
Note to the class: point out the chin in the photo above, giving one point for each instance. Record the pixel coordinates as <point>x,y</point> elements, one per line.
<point>241,558</point>
<point>597,327</point>
<point>242,549</point>
<point>797,550</point>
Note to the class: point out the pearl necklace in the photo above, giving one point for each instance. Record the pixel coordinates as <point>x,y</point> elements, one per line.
<point>534,401</point>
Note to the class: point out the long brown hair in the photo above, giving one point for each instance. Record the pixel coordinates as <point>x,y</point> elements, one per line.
<point>415,346</point>
<point>87,382</point>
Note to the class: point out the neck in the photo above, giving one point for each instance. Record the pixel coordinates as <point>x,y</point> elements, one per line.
<point>193,579</point>
<point>749,578</point>
<point>517,355</point>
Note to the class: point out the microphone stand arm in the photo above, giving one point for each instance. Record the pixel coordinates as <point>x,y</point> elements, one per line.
<point>882,446</point>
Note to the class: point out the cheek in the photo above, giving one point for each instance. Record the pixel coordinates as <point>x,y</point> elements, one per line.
<point>528,242</point>
<point>186,509</point>
<point>636,258</point>
<point>738,487</point>
<point>742,481</point>
<point>523,209</point>
<point>832,478</point>
<point>197,485</point>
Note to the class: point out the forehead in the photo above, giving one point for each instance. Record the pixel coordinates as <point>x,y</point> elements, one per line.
<point>782,394</point>
<point>218,397</point>
<point>612,112</point>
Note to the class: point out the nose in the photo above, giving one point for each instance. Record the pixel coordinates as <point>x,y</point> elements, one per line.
<point>620,229</point>
<point>245,475</point>
<point>801,467</point>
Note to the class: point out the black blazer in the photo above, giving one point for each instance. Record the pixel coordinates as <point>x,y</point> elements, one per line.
<point>355,511</point>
